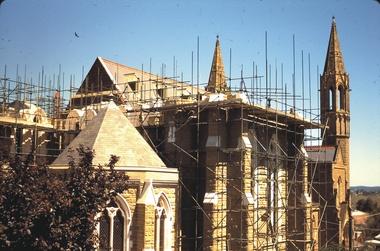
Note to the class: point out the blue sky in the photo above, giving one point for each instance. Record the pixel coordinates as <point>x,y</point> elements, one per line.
<point>134,33</point>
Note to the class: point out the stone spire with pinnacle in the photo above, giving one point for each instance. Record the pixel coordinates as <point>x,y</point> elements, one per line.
<point>334,60</point>
<point>335,114</point>
<point>217,80</point>
<point>335,93</point>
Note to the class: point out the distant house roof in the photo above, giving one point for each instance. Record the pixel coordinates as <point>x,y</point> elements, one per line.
<point>359,216</point>
<point>358,213</point>
<point>111,133</point>
<point>321,153</point>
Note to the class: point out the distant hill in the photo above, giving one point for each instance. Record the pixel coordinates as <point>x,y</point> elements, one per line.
<point>365,188</point>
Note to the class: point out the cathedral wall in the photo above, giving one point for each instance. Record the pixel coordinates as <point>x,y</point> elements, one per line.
<point>143,231</point>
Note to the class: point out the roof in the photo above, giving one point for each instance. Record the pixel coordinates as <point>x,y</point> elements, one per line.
<point>334,60</point>
<point>357,213</point>
<point>321,153</point>
<point>107,77</point>
<point>111,133</point>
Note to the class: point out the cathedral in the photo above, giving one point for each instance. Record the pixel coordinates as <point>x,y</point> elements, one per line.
<point>211,168</point>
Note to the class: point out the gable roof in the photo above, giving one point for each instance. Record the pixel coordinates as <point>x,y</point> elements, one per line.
<point>111,133</point>
<point>126,84</point>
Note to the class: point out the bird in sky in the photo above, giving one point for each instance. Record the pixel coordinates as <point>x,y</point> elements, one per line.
<point>76,34</point>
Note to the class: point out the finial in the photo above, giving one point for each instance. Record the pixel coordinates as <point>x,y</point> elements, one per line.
<point>217,37</point>
<point>333,19</point>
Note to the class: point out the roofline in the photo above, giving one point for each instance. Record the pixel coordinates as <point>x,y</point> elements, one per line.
<point>319,147</point>
<point>258,110</point>
<point>128,169</point>
<point>26,124</point>
<point>142,72</point>
<point>110,75</point>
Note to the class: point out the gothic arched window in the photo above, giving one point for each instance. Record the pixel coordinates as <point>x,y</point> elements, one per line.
<point>163,224</point>
<point>340,197</point>
<point>341,98</point>
<point>37,118</point>
<point>331,99</point>
<point>113,227</point>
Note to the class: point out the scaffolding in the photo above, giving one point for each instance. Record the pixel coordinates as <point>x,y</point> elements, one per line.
<point>246,183</point>
<point>32,114</point>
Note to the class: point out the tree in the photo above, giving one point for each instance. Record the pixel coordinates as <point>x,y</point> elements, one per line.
<point>43,209</point>
<point>366,205</point>
<point>373,221</point>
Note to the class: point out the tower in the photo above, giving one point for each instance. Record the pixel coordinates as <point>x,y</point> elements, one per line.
<point>335,114</point>
<point>335,98</point>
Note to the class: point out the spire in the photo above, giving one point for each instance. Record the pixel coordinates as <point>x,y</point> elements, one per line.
<point>217,79</point>
<point>334,60</point>
<point>335,94</point>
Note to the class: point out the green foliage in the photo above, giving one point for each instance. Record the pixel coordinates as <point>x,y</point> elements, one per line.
<point>43,209</point>
<point>373,221</point>
<point>366,205</point>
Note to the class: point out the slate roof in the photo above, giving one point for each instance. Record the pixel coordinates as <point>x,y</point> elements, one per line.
<point>321,153</point>
<point>110,132</point>
<point>106,76</point>
<point>118,71</point>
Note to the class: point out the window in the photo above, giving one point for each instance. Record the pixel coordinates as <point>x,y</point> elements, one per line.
<point>37,118</point>
<point>134,86</point>
<point>160,93</point>
<point>331,99</point>
<point>171,132</point>
<point>341,98</point>
<point>133,81</point>
<point>113,227</point>
<point>340,191</point>
<point>163,224</point>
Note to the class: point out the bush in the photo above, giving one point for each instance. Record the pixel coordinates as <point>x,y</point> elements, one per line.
<point>43,209</point>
